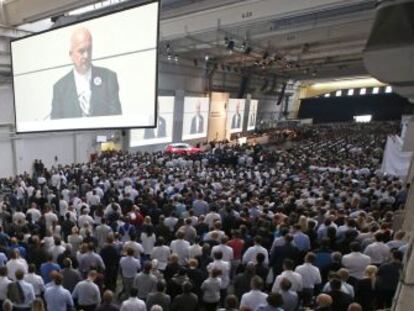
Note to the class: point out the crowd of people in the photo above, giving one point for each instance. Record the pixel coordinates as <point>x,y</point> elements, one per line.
<point>308,226</point>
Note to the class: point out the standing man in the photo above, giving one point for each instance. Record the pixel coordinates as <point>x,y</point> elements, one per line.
<point>21,293</point>
<point>87,90</point>
<point>58,298</point>
<point>87,293</point>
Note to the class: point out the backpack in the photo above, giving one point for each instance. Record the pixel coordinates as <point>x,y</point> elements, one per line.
<point>15,293</point>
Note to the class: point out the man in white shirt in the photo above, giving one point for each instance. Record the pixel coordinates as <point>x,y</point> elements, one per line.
<point>311,277</point>
<point>356,262</point>
<point>4,283</point>
<point>35,280</point>
<point>224,248</point>
<point>378,251</point>
<point>224,267</point>
<point>133,303</point>
<point>16,263</point>
<point>181,247</point>
<point>255,297</point>
<point>288,273</point>
<point>72,94</point>
<point>252,251</point>
<point>87,293</point>
<point>129,268</point>
<point>26,289</point>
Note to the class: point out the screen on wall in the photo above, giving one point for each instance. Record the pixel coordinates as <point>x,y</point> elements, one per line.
<point>235,115</point>
<point>251,123</point>
<point>163,132</point>
<point>99,73</point>
<point>195,119</point>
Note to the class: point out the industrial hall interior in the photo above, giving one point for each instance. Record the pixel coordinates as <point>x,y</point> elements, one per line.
<point>206,155</point>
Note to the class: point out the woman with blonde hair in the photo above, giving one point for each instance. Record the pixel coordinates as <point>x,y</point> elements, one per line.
<point>38,305</point>
<point>365,289</point>
<point>303,223</point>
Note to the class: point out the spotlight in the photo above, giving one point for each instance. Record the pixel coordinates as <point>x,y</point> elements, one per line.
<point>206,58</point>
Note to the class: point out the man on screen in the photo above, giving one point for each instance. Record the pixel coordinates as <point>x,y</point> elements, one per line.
<point>87,90</point>
<point>158,132</point>
<point>197,122</point>
<point>236,119</point>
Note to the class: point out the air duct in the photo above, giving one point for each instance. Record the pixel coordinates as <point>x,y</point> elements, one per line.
<point>389,52</point>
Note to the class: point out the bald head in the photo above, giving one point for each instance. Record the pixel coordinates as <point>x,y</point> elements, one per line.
<point>81,49</point>
<point>324,300</point>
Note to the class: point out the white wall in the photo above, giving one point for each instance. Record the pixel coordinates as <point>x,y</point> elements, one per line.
<point>6,104</point>
<point>44,147</point>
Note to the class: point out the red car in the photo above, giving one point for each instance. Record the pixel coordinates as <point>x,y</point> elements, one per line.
<point>181,148</point>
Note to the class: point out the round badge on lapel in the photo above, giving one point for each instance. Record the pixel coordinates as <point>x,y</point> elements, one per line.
<point>97,81</point>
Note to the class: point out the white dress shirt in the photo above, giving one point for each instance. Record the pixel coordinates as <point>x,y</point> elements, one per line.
<point>16,264</point>
<point>294,278</point>
<point>379,253</point>
<point>224,267</point>
<point>83,88</point>
<point>161,253</point>
<point>133,304</point>
<point>251,253</point>
<point>182,249</point>
<point>37,283</point>
<point>4,283</point>
<point>356,262</point>
<point>227,251</point>
<point>253,299</point>
<point>311,275</point>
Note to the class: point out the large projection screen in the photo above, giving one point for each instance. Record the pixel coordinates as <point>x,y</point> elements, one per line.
<point>99,73</point>
<point>163,132</point>
<point>251,123</point>
<point>195,118</point>
<point>235,115</point>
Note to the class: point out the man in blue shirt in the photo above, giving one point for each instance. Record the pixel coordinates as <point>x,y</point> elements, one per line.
<point>58,298</point>
<point>47,267</point>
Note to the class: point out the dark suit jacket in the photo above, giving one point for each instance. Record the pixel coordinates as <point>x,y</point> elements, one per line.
<point>235,124</point>
<point>252,121</point>
<point>104,98</point>
<point>341,301</point>
<point>161,126</point>
<point>194,129</point>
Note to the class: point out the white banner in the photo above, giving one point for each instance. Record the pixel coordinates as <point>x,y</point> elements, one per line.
<point>395,162</point>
